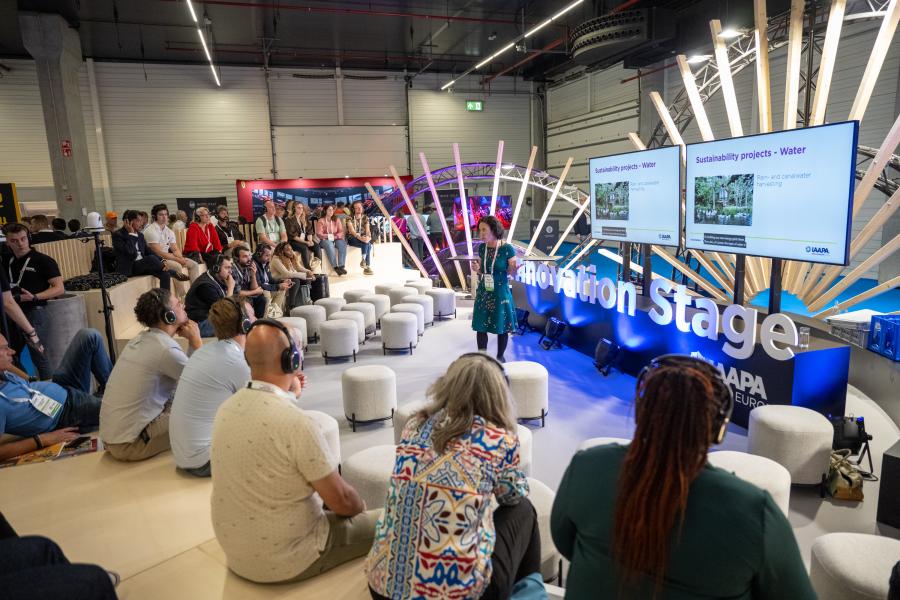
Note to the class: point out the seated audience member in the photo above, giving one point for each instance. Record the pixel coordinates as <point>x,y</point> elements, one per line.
<point>133,257</point>
<point>212,374</point>
<point>161,241</point>
<point>209,288</point>
<point>34,567</point>
<point>145,220</point>
<point>34,279</point>
<point>654,519</point>
<point>302,234</point>
<point>461,452</point>
<point>59,225</point>
<point>134,419</point>
<point>228,231</point>
<point>202,241</point>
<point>286,264</point>
<point>181,221</point>
<point>44,413</point>
<point>112,222</point>
<point>75,229</point>
<point>277,288</point>
<point>270,228</point>
<point>273,471</point>
<point>359,234</point>
<point>330,231</point>
<point>245,284</point>
<point>41,232</point>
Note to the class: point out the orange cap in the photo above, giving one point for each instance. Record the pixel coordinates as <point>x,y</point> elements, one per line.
<point>112,215</point>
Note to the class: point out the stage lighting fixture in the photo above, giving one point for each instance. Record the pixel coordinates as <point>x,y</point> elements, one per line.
<point>698,58</point>
<point>552,332</point>
<point>606,356</point>
<point>729,33</point>
<point>522,321</point>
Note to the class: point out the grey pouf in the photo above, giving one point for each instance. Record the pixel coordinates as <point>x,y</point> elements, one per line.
<point>427,304</point>
<point>330,431</point>
<point>384,288</point>
<point>330,305</point>
<point>65,316</point>
<point>415,309</point>
<point>762,472</point>
<point>314,316</point>
<point>369,394</point>
<point>369,472</point>
<point>403,414</point>
<point>381,302</point>
<point>853,566</point>
<point>444,302</point>
<point>355,295</point>
<point>797,438</point>
<point>399,332</point>
<point>541,498</point>
<point>529,386</point>
<point>339,339</point>
<point>298,323</point>
<point>399,293</point>
<point>367,310</point>
<point>423,285</point>
<point>602,441</point>
<point>355,316</point>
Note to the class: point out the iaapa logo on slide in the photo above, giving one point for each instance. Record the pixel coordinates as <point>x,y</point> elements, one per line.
<point>748,388</point>
<point>665,237</point>
<point>818,250</point>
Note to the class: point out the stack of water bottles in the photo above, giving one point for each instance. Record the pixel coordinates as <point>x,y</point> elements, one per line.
<point>884,336</point>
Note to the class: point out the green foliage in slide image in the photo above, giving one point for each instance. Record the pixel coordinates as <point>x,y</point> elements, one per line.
<point>612,200</point>
<point>724,200</point>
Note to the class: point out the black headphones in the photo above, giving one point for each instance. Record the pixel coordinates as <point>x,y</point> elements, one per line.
<point>244,322</point>
<point>217,266</point>
<point>721,390</point>
<point>166,314</point>
<point>290,357</point>
<point>490,359</point>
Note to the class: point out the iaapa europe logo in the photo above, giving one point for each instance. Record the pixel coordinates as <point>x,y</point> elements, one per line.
<point>748,388</point>
<point>818,250</point>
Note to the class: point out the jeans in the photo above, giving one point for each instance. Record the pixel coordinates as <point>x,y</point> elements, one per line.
<point>366,249</point>
<point>85,356</point>
<point>306,252</point>
<point>37,316</point>
<point>418,246</point>
<point>329,248</point>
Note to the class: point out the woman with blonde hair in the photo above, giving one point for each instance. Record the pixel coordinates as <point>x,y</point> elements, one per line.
<point>301,234</point>
<point>439,536</point>
<point>202,241</point>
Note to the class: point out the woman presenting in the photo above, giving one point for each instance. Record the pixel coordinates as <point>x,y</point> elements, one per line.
<point>494,309</point>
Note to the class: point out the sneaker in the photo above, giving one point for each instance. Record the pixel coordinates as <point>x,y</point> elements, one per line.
<point>362,264</point>
<point>500,359</point>
<point>114,578</point>
<point>179,276</point>
<point>368,271</point>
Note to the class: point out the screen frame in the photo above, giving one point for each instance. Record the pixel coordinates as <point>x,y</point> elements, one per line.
<point>850,195</point>
<point>676,243</point>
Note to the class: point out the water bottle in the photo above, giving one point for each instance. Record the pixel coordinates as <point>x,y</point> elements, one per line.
<point>804,338</point>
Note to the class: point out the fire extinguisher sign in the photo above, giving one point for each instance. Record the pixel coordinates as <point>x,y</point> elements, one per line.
<point>66,146</point>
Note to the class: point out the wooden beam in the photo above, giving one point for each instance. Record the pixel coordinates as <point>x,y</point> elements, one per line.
<point>725,81</point>
<point>636,141</point>
<point>521,199</point>
<point>584,206</point>
<point>826,61</point>
<point>588,246</point>
<point>692,274</point>
<point>842,306</point>
<point>448,235</point>
<point>463,199</point>
<point>396,230</point>
<point>794,54</point>
<point>640,270</point>
<point>549,207</point>
<point>497,177</point>
<point>763,92</point>
<point>876,60</point>
<point>874,260</point>
<point>667,122</point>
<point>714,272</point>
<point>690,86</point>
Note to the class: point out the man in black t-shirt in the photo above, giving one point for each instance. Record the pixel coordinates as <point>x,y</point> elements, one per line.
<point>228,231</point>
<point>34,279</point>
<point>212,286</point>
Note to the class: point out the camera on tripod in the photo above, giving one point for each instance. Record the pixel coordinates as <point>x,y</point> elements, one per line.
<point>850,434</point>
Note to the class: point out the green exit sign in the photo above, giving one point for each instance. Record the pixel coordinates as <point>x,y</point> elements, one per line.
<point>475,105</point>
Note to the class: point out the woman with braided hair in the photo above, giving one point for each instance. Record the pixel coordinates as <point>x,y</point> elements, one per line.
<point>654,520</point>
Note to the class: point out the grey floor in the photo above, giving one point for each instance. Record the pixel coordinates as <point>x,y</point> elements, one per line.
<point>582,405</point>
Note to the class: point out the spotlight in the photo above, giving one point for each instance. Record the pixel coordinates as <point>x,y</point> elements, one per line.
<point>606,356</point>
<point>697,58</point>
<point>522,321</point>
<point>729,33</point>
<point>552,332</point>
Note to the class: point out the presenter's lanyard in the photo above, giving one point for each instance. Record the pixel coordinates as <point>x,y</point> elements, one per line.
<point>264,386</point>
<point>487,276</point>
<point>21,272</point>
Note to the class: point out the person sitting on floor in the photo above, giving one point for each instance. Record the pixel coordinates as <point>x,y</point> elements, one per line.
<point>245,283</point>
<point>654,519</point>
<point>457,455</point>
<point>273,470</point>
<point>161,241</point>
<point>44,413</point>
<point>134,421</point>
<point>212,374</point>
<point>209,288</point>
<point>133,257</point>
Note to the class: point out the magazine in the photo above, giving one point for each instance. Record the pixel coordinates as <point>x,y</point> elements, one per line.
<point>60,450</point>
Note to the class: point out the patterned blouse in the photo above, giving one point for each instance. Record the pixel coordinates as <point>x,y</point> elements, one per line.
<point>436,536</point>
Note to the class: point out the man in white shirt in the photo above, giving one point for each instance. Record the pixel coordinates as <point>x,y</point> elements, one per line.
<point>161,241</point>
<point>134,423</point>
<point>415,236</point>
<point>272,471</point>
<point>212,374</point>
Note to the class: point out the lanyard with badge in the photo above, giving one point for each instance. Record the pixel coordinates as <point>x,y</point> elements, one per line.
<point>228,238</point>
<point>329,225</point>
<point>43,403</point>
<point>18,281</point>
<point>488,276</point>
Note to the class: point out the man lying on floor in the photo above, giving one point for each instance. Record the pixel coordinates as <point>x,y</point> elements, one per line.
<point>44,413</point>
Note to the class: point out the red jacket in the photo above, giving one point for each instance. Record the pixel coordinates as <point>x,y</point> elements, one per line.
<point>198,240</point>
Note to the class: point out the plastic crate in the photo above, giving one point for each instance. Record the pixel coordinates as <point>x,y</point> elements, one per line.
<point>852,327</point>
<point>884,336</point>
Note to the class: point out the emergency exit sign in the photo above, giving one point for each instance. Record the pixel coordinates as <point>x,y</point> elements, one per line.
<point>475,105</point>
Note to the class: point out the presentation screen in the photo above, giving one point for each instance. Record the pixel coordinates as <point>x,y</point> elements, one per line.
<point>636,197</point>
<point>782,195</point>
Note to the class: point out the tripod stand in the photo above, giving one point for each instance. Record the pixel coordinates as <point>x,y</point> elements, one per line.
<point>104,294</point>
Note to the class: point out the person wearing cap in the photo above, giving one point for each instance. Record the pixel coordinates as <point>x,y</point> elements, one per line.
<point>112,221</point>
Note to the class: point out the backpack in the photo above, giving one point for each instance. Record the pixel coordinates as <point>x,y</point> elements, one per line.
<point>109,261</point>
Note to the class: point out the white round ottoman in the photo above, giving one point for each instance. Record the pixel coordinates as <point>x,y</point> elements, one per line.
<point>298,323</point>
<point>331,305</point>
<point>414,309</point>
<point>853,566</point>
<point>381,302</point>
<point>529,387</point>
<point>399,293</point>
<point>760,471</point>
<point>797,438</point>
<point>314,316</point>
<point>330,431</point>
<point>356,317</point>
<point>427,304</point>
<point>399,332</point>
<point>368,312</point>
<point>384,288</point>
<point>355,295</point>
<point>525,448</point>
<point>444,302</point>
<point>370,394</point>
<point>339,339</point>
<point>541,498</point>
<point>369,472</point>
<point>423,285</point>
<point>403,414</point>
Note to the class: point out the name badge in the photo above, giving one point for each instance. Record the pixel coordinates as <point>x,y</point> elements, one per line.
<point>330,237</point>
<point>229,239</point>
<point>45,404</point>
<point>489,282</point>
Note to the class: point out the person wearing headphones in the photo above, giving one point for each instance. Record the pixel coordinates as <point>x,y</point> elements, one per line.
<point>209,288</point>
<point>212,374</point>
<point>134,416</point>
<point>273,471</point>
<point>202,241</point>
<point>440,536</point>
<point>654,519</point>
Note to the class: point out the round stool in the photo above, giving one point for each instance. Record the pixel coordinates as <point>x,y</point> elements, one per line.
<point>370,394</point>
<point>427,304</point>
<point>415,309</point>
<point>368,312</point>
<point>758,470</point>
<point>529,387</point>
<point>355,295</point>
<point>369,471</point>
<point>381,302</point>
<point>399,332</point>
<point>542,498</point>
<point>330,431</point>
<point>384,288</point>
<point>444,302</point>
<point>852,566</point>
<point>423,285</point>
<point>298,323</point>
<point>331,305</point>
<point>602,441</point>
<point>797,438</point>
<point>525,448</point>
<point>399,293</point>
<point>403,414</point>
<point>314,316</point>
<point>339,339</point>
<point>355,316</point>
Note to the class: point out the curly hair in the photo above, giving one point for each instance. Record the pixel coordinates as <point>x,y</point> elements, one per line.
<point>494,225</point>
<point>151,306</point>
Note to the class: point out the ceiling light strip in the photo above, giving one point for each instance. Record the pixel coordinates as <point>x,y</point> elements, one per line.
<point>206,51</point>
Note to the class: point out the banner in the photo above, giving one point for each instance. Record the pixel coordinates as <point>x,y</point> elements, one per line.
<point>548,236</point>
<point>9,203</point>
<point>189,205</point>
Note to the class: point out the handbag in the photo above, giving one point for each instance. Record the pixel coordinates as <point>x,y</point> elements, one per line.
<point>844,481</point>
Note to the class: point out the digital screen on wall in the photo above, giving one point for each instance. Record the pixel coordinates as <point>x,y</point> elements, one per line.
<point>781,195</point>
<point>636,197</point>
<point>480,207</point>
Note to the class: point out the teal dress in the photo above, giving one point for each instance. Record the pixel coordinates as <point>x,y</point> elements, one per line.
<point>495,311</point>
